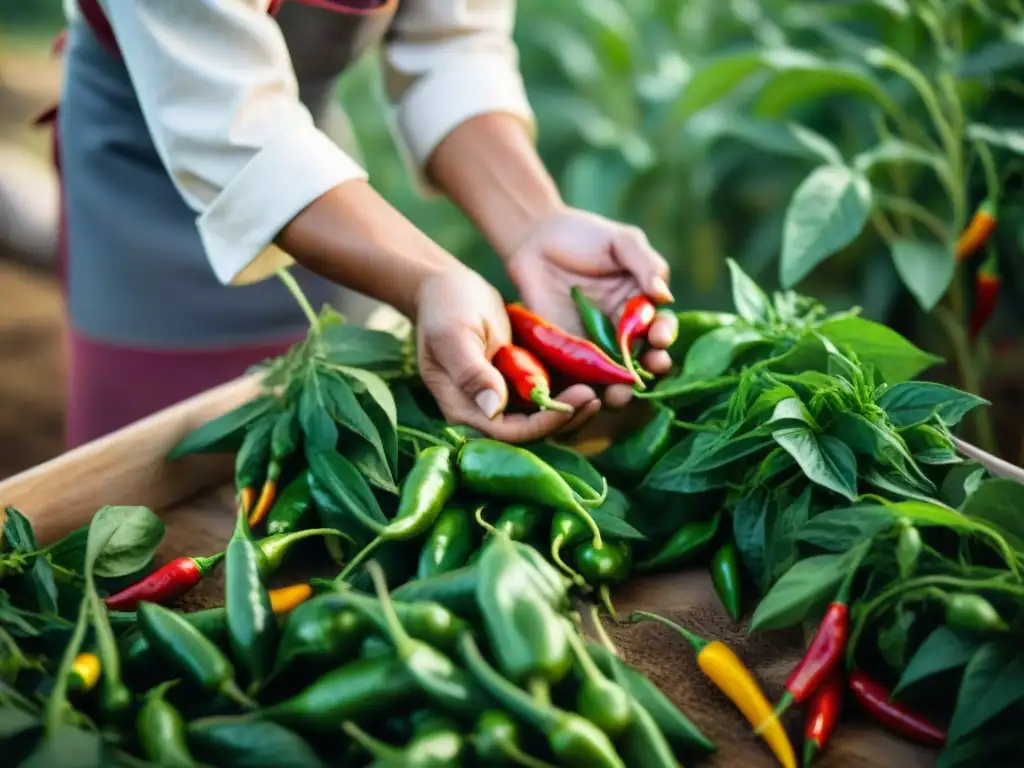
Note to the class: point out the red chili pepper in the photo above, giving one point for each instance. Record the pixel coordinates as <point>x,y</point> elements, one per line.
<point>987,286</point>
<point>528,377</point>
<point>824,653</point>
<point>637,318</point>
<point>978,231</point>
<point>875,699</point>
<point>164,584</point>
<point>577,358</point>
<point>823,714</point>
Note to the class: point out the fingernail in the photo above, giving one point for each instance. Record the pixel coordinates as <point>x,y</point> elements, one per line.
<point>489,402</point>
<point>660,288</point>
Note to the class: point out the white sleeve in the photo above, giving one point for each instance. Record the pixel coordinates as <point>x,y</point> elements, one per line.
<point>219,95</point>
<point>446,61</point>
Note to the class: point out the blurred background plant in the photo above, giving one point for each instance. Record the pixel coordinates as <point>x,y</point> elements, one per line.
<point>837,146</point>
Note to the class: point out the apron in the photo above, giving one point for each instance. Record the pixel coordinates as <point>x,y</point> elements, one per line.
<point>149,323</point>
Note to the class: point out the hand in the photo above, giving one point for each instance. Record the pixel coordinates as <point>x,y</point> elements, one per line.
<point>610,262</point>
<point>460,323</point>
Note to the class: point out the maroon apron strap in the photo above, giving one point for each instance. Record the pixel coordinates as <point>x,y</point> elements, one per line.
<point>97,21</point>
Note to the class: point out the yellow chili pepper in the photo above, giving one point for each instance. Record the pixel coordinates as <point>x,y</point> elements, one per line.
<point>85,672</point>
<point>723,668</point>
<point>284,599</point>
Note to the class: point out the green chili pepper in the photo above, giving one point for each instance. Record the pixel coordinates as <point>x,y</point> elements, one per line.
<point>198,660</point>
<point>601,568</point>
<point>425,492</point>
<point>519,521</point>
<point>437,746</point>
<point>238,741</point>
<point>597,325</point>
<point>498,469</point>
<point>908,548</point>
<point>496,741</point>
<point>323,631</point>
<point>965,610</point>
<point>292,506</point>
<point>525,632</point>
<point>725,575</point>
<point>252,628</point>
<point>161,731</point>
<point>449,544</point>
<point>573,740</point>
<point>635,456</point>
<point>604,703</point>
<point>276,547</point>
<point>551,585</point>
<point>677,727</point>
<point>455,590</point>
<point>566,530</point>
<point>398,559</point>
<point>364,689</point>
<point>686,543</point>
<point>440,679</point>
<point>643,743</point>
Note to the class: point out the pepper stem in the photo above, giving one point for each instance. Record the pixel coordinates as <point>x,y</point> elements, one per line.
<point>375,747</point>
<point>404,644</point>
<point>539,690</point>
<point>229,689</point>
<point>605,595</point>
<point>205,564</point>
<point>358,560</point>
<point>416,434</point>
<point>556,557</point>
<point>295,289</point>
<point>698,642</point>
<point>520,758</point>
<point>479,517</point>
<point>811,749</point>
<point>627,360</point>
<point>540,395</point>
<point>602,633</point>
<point>579,649</point>
<point>275,547</point>
<point>785,702</point>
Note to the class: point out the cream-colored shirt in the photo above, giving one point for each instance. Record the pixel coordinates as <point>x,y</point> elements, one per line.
<point>218,92</point>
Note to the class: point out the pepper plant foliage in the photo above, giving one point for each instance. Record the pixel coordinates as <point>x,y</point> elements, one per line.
<point>812,432</point>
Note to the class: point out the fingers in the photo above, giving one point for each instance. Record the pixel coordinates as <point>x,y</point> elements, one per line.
<point>657,361</point>
<point>524,428</point>
<point>648,267</point>
<point>664,331</point>
<point>463,359</point>
<point>618,396</point>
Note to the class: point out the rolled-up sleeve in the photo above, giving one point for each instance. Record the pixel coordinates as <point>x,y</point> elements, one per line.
<point>216,86</point>
<point>446,61</point>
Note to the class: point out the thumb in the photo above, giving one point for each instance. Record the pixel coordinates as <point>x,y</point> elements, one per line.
<point>465,359</point>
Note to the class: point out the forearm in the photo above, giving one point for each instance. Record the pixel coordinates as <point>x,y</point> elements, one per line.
<point>489,167</point>
<point>354,237</point>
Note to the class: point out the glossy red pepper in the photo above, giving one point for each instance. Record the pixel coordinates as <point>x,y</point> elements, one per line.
<point>637,318</point>
<point>978,231</point>
<point>164,584</point>
<point>528,377</point>
<point>824,653</point>
<point>823,714</point>
<point>579,359</point>
<point>987,286</point>
<point>875,699</point>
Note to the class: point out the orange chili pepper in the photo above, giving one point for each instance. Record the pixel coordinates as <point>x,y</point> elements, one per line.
<point>978,231</point>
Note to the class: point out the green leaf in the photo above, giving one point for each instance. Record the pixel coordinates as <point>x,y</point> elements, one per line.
<point>914,402</point>
<point>942,650</point>
<point>1010,139</point>
<point>68,747</point>
<point>929,445</point>
<point>880,347</point>
<point>598,181</point>
<point>377,388</point>
<point>713,353</point>
<point>717,78</point>
<point>249,744</point>
<point>45,585</point>
<point>828,211</point>
<point>752,303</point>
<point>782,547</point>
<point>615,527</point>
<point>17,532</point>
<point>346,411</point>
<point>893,151</point>
<point>895,484</point>
<point>346,485</point>
<point>386,429</point>
<point>695,323</point>
<point>789,139</point>
<point>15,722</point>
<point>750,516</point>
<point>999,503</point>
<point>991,59</point>
<point>357,347</point>
<point>803,589</point>
<point>892,638</point>
<point>925,268</point>
<point>992,682</point>
<point>223,434</point>
<point>724,451</point>
<point>823,459</point>
<point>318,427</point>
<point>122,540</point>
<point>791,87</point>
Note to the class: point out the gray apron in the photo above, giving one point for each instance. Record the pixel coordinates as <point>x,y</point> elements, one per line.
<point>135,271</point>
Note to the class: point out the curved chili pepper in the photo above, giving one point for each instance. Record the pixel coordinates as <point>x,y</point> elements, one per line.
<point>908,549</point>
<point>278,546</point>
<point>876,700</point>
<point>823,714</point>
<point>497,741</point>
<point>449,543</point>
<point>167,582</point>
<point>284,441</point>
<point>519,521</point>
<point>635,456</point>
<point>965,610</point>
<point>643,743</point>
<point>602,568</point>
<point>440,744</point>
<point>455,590</point>
<point>602,701</point>
<point>252,629</point>
<point>198,660</point>
<point>723,668</point>
<point>291,507</point>
<point>578,359</point>
<point>637,318</point>
<point>508,471</point>
<point>426,490</point>
<point>85,673</point>
<point>988,284</point>
<point>285,599</point>
<point>688,540</point>
<point>324,631</point>
<point>161,731</point>
<point>597,325</point>
<point>977,232</point>
<point>573,740</point>
<point>528,378</point>
<point>824,652</point>
<point>566,530</point>
<point>551,585</point>
<point>725,575</point>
